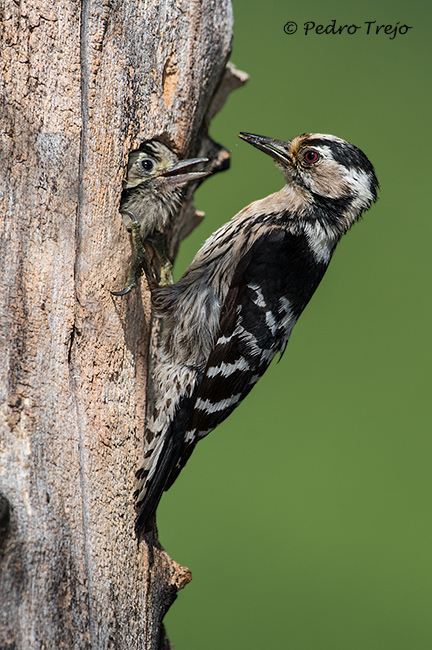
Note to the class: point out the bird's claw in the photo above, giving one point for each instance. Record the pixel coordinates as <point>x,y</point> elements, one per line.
<point>140,261</point>
<point>166,275</point>
<point>159,243</point>
<point>128,287</point>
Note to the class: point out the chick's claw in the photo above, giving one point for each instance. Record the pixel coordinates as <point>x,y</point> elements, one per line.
<point>159,243</point>
<point>140,262</point>
<point>166,275</point>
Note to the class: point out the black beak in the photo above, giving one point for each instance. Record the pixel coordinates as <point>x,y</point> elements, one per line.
<point>277,149</point>
<point>173,176</point>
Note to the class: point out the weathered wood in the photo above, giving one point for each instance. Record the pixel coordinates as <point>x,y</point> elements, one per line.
<point>82,85</point>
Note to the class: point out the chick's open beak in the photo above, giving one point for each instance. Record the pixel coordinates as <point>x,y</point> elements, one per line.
<point>173,177</point>
<point>277,149</point>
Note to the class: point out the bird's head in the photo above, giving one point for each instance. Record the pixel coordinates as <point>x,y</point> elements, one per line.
<point>156,168</point>
<point>327,168</point>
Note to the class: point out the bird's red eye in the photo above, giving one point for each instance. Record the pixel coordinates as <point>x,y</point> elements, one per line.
<point>311,156</point>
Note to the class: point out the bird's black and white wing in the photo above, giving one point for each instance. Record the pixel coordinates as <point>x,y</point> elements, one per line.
<point>270,287</point>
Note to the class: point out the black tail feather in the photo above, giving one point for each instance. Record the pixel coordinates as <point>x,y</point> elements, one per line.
<point>147,509</point>
<point>168,458</point>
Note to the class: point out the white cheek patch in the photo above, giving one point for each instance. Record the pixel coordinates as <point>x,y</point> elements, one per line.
<point>360,183</point>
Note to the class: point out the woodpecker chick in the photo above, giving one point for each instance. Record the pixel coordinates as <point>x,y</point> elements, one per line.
<point>152,195</point>
<point>237,303</point>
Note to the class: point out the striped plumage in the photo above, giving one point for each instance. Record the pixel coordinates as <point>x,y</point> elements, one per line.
<point>151,198</point>
<point>152,190</point>
<point>237,303</point>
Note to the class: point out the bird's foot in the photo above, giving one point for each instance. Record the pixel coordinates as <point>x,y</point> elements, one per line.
<point>159,242</point>
<point>166,275</point>
<point>140,262</point>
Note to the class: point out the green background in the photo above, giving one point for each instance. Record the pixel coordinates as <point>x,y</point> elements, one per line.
<point>306,517</point>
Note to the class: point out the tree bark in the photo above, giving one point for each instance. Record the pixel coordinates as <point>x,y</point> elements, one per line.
<point>83,85</point>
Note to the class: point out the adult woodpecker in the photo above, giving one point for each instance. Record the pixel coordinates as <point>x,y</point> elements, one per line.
<point>151,197</point>
<point>237,303</point>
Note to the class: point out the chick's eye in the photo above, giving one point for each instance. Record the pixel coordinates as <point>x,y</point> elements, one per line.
<point>311,156</point>
<point>147,164</point>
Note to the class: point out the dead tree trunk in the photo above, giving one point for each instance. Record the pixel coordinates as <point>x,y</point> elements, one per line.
<point>83,84</point>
